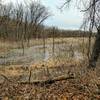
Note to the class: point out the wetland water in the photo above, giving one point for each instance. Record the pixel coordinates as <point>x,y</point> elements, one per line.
<point>37,54</point>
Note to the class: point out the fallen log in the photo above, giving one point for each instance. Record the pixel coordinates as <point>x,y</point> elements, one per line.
<point>40,82</point>
<point>48,81</point>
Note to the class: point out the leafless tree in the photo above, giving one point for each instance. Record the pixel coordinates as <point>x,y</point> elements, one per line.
<point>38,14</point>
<point>44,40</point>
<point>6,11</point>
<point>91,9</point>
<point>54,32</point>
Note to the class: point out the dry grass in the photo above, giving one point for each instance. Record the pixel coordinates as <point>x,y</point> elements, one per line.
<point>6,45</point>
<point>84,86</point>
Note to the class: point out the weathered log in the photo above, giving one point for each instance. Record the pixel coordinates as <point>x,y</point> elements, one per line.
<point>48,81</point>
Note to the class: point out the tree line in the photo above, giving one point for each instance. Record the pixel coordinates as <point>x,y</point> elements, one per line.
<point>25,21</point>
<point>21,21</point>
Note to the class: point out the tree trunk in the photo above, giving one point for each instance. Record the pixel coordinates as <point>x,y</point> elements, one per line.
<point>96,50</point>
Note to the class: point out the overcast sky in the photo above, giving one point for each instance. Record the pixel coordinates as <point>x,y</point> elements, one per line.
<point>67,19</point>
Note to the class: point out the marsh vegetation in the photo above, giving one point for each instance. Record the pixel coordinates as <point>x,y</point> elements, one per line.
<point>38,62</point>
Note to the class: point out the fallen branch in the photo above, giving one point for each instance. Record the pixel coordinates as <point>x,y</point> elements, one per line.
<point>41,82</point>
<point>11,79</point>
<point>48,81</point>
<point>6,78</point>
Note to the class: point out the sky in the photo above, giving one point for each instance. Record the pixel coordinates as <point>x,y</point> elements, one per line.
<point>67,18</point>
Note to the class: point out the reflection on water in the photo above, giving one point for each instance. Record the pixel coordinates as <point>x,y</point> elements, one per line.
<point>36,54</point>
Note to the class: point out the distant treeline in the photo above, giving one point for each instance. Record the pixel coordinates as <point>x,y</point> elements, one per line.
<point>12,31</point>
<point>67,33</point>
<point>25,21</point>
